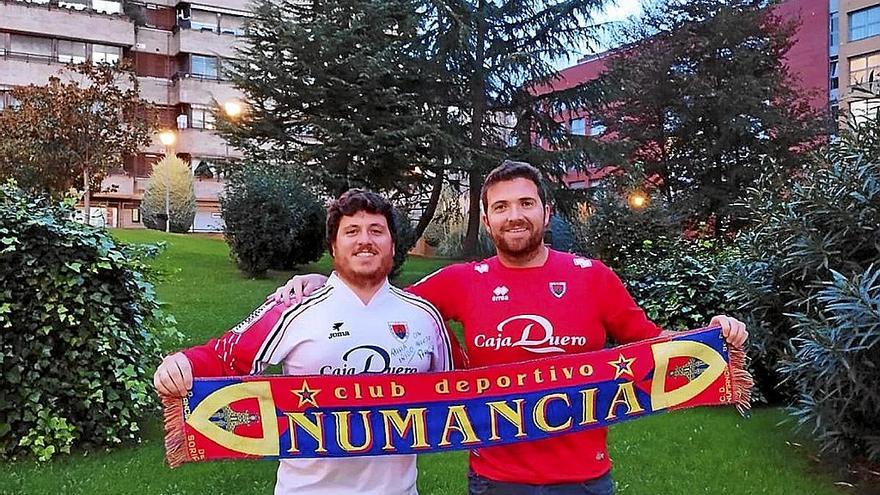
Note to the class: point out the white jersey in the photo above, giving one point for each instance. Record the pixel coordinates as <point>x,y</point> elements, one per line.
<point>332,332</point>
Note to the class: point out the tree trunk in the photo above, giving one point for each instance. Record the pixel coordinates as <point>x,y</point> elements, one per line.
<point>87,212</point>
<point>478,104</point>
<point>433,200</point>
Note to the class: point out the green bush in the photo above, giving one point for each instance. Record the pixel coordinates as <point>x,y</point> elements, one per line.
<point>812,294</point>
<point>173,173</point>
<point>678,287</point>
<point>80,332</point>
<point>406,239</point>
<point>272,220</point>
<point>619,235</point>
<point>836,367</point>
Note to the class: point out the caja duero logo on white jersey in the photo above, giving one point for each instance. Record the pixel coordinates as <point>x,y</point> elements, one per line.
<point>532,333</point>
<point>365,359</point>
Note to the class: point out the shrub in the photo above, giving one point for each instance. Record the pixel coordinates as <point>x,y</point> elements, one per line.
<point>619,235</point>
<point>679,288</point>
<point>835,368</point>
<point>80,331</point>
<point>174,173</point>
<point>809,280</point>
<point>406,239</point>
<point>272,220</point>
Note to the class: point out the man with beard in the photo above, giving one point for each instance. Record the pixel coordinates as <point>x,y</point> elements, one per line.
<point>528,302</point>
<point>357,323</point>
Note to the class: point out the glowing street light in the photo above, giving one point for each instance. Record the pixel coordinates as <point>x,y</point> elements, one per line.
<point>167,138</point>
<point>637,200</point>
<point>232,109</point>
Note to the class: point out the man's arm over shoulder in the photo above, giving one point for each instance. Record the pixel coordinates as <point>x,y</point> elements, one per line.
<point>444,289</point>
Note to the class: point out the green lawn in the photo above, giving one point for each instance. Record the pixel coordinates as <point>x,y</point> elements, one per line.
<point>710,451</point>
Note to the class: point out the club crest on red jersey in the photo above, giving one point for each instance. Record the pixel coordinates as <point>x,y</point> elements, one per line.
<point>557,289</point>
<point>399,330</point>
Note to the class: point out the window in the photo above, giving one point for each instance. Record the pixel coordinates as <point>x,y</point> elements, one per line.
<point>578,127</point>
<point>135,215</point>
<point>75,4</point>
<point>30,45</point>
<point>204,66</point>
<point>202,117</point>
<point>107,6</point>
<point>862,70</point>
<point>103,54</point>
<point>204,21</point>
<point>864,109</point>
<point>71,51</point>
<point>232,24</point>
<point>597,128</point>
<point>833,34</point>
<point>864,23</point>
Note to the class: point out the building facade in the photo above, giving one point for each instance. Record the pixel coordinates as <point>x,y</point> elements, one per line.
<point>178,50</point>
<point>812,60</point>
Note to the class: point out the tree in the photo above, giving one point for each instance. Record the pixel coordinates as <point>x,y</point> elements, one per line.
<point>341,91</point>
<point>272,220</point>
<point>173,174</point>
<point>73,130</point>
<point>442,87</point>
<point>502,57</point>
<point>702,98</point>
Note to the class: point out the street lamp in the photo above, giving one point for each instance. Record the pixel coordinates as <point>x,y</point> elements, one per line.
<point>167,138</point>
<point>233,110</point>
<point>637,200</point>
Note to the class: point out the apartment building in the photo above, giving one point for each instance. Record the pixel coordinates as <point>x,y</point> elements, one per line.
<point>178,50</point>
<point>812,59</point>
<point>855,64</point>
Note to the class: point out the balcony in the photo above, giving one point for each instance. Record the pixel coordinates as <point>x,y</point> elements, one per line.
<point>205,42</point>
<point>195,89</point>
<point>65,22</point>
<point>21,69</point>
<point>157,90</point>
<point>123,186</point>
<point>198,142</point>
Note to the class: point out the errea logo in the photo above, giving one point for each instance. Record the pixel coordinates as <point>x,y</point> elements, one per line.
<point>500,293</point>
<point>582,263</point>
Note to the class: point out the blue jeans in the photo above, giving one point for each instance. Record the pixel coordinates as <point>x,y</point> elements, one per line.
<point>478,485</point>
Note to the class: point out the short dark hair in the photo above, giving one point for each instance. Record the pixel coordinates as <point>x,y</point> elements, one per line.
<point>353,201</point>
<point>509,170</point>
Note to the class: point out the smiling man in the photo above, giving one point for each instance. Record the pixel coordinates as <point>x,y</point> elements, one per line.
<point>357,323</point>
<point>529,302</point>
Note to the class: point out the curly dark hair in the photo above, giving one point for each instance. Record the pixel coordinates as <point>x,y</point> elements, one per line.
<point>353,201</point>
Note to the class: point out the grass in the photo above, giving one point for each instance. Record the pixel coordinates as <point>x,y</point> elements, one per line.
<point>688,452</point>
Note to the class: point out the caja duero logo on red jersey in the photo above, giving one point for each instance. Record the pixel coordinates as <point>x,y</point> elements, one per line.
<point>532,333</point>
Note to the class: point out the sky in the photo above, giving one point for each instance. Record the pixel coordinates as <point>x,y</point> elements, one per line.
<point>617,11</point>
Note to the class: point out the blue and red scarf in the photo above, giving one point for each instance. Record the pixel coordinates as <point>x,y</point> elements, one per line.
<point>294,417</point>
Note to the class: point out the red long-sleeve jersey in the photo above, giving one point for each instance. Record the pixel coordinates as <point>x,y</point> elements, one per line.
<point>570,304</point>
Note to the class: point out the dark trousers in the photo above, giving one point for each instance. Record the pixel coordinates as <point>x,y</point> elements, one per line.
<point>478,485</point>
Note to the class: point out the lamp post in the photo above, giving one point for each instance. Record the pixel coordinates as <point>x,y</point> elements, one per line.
<point>167,138</point>
<point>637,200</point>
<point>233,110</point>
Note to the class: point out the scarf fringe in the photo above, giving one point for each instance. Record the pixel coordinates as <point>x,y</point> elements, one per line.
<point>742,380</point>
<point>175,451</point>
